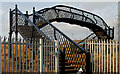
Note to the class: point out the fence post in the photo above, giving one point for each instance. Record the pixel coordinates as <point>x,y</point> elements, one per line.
<point>56,57</point>
<point>107,55</point>
<point>110,55</point>
<point>116,56</point>
<point>41,55</point>
<point>9,45</point>
<point>113,56</point>
<point>0,57</point>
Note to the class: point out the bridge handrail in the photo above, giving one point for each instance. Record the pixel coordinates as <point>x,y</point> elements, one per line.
<point>55,7</point>
<point>60,31</point>
<point>50,25</point>
<point>82,11</point>
<point>95,18</point>
<point>33,24</point>
<point>40,12</point>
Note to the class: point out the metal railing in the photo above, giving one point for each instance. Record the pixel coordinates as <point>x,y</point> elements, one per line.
<point>65,43</point>
<point>39,56</point>
<point>62,11</point>
<point>51,33</point>
<point>105,55</point>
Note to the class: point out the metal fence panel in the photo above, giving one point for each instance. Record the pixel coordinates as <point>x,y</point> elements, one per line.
<point>30,56</point>
<point>105,54</point>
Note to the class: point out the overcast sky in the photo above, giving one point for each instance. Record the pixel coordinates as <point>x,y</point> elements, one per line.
<point>107,10</point>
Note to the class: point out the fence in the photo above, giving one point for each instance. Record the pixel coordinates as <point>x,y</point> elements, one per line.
<point>29,55</point>
<point>104,55</point>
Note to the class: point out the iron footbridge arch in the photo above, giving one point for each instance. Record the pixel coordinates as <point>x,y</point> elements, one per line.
<point>62,13</point>
<point>38,25</point>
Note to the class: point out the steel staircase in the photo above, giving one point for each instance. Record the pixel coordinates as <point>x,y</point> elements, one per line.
<point>39,25</point>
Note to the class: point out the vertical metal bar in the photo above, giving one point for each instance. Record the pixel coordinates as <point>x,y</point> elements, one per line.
<point>41,55</point>
<point>29,44</point>
<point>20,55</point>
<point>107,55</point>
<point>52,48</point>
<point>56,60</point>
<point>46,43</point>
<point>113,56</point>
<point>16,23</point>
<point>33,21</point>
<point>35,53</point>
<point>12,55</point>
<point>9,45</point>
<point>119,56</point>
<point>94,55</point>
<point>104,57</point>
<point>4,55</point>
<point>16,50</point>
<point>110,56</point>
<point>90,47</point>
<point>56,57</point>
<point>116,57</point>
<point>16,32</point>
<point>23,55</point>
<point>10,29</point>
<point>26,22</point>
<point>44,55</point>
<point>38,44</point>
<point>0,57</point>
<point>51,55</point>
<point>85,44</point>
<point>91,42</point>
<point>32,55</point>
<point>99,55</point>
<point>26,53</point>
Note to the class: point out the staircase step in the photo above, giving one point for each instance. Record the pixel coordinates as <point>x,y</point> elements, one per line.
<point>67,63</point>
<point>26,31</point>
<point>69,67</point>
<point>71,71</point>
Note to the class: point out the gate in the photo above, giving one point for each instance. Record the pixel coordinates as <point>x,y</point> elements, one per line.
<point>29,55</point>
<point>104,55</point>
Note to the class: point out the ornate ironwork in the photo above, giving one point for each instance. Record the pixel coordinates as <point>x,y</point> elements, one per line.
<point>59,12</point>
<point>39,25</point>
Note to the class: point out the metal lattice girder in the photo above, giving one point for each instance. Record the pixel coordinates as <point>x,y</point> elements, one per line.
<point>39,25</point>
<point>61,13</point>
<point>65,43</point>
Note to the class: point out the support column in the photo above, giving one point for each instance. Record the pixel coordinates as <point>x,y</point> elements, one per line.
<point>34,23</point>
<point>10,30</point>
<point>88,63</point>
<point>16,24</point>
<point>26,22</point>
<point>55,35</point>
<point>113,33</point>
<point>41,55</point>
<point>57,56</point>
